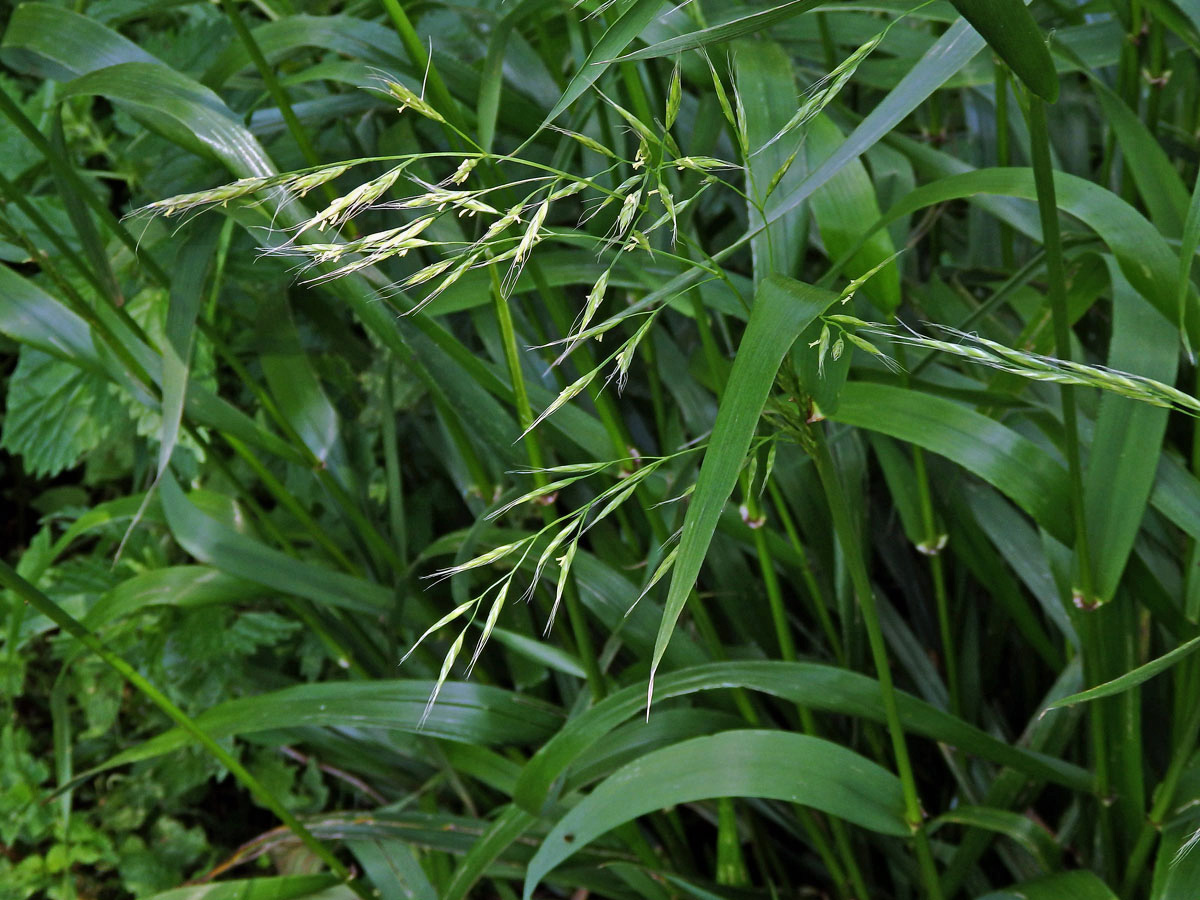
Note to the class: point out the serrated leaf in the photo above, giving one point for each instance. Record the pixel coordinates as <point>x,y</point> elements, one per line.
<point>56,413</point>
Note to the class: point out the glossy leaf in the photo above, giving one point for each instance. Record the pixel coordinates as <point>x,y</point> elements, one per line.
<point>768,764</point>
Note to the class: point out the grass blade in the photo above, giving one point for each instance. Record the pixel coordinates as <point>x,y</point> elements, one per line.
<point>782,309</point>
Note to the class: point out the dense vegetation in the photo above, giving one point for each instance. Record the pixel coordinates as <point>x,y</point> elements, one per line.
<point>531,447</point>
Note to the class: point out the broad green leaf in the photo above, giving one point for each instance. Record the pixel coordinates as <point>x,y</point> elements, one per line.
<point>769,764</point>
<point>469,713</point>
<point>359,39</point>
<point>1187,254</point>
<point>1011,31</point>
<point>1132,679</point>
<point>807,684</point>
<point>301,399</point>
<point>507,827</point>
<point>840,207</point>
<point>782,309</point>
<point>183,111</point>
<point>219,545</point>
<point>172,586</point>
<point>767,91</point>
<point>394,870</point>
<point>191,270</point>
<point>1159,184</point>
<point>56,43</point>
<point>1124,449</point>
<point>997,454</point>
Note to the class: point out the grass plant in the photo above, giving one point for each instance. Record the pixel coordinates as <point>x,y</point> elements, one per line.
<point>600,449</point>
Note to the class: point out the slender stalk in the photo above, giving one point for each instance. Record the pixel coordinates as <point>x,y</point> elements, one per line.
<point>853,877</point>
<point>1083,593</point>
<point>391,462</point>
<point>1043,175</point>
<point>820,608</point>
<point>575,614</point>
<point>29,594</point>
<point>1003,157</point>
<point>938,574</point>
<point>848,538</point>
<point>420,59</point>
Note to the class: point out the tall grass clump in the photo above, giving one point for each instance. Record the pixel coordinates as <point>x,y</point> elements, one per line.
<point>548,449</point>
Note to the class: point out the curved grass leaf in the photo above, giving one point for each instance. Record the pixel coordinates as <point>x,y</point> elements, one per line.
<point>182,110</point>
<point>994,452</point>
<point>751,23</point>
<point>504,830</point>
<point>770,764</point>
<point>807,684</point>
<point>1128,438</point>
<point>1144,256</point>
<point>1018,828</point>
<point>183,586</point>
<point>783,307</point>
<point>219,545</point>
<point>1132,679</point>
<point>469,713</point>
<point>52,42</point>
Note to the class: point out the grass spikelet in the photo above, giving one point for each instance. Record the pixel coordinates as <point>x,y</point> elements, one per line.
<point>302,184</point>
<point>489,623</point>
<point>564,569</point>
<point>223,194</point>
<point>447,663</point>
<point>345,208</point>
<point>594,298</point>
<point>410,100</point>
<point>548,553</point>
<point>668,203</point>
<point>493,555</point>
<point>542,491</point>
<point>459,270</point>
<point>851,289</point>
<point>674,97</point>
<point>634,122</point>
<point>823,92</point>
<point>464,170</point>
<point>1036,367</point>
<point>590,143</point>
<point>444,620</point>
<point>564,397</point>
<point>722,97</point>
<point>529,240</point>
<point>625,217</point>
<point>431,271</point>
<point>663,567</point>
<point>702,163</point>
<point>625,356</point>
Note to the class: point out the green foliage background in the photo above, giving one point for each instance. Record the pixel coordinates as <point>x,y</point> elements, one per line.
<point>821,375</point>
